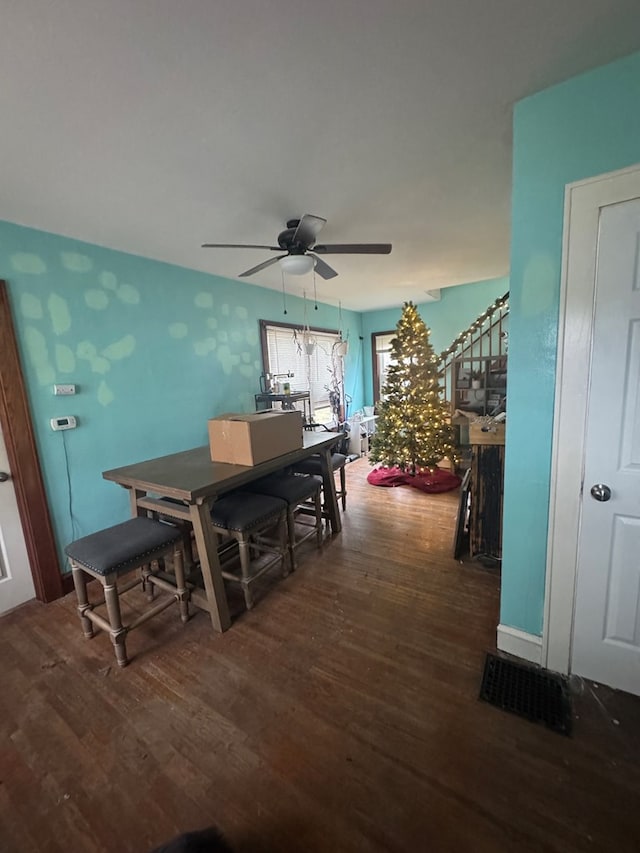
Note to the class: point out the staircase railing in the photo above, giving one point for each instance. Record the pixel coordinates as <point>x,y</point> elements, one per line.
<point>486,336</point>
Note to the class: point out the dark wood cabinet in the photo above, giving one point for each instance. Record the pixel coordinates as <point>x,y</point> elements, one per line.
<point>487,482</point>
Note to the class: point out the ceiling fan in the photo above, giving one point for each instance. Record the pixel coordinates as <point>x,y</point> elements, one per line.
<point>298,241</point>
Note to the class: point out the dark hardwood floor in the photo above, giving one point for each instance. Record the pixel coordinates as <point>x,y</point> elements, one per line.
<point>341,714</point>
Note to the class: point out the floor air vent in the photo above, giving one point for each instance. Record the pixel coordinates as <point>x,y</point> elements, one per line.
<point>538,695</point>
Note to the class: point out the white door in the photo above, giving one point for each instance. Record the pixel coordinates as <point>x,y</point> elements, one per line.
<point>16,583</point>
<point>606,636</point>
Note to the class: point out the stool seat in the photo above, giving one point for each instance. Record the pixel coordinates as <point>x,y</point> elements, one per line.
<point>105,555</point>
<point>247,517</point>
<point>313,465</point>
<point>122,546</point>
<point>292,488</point>
<point>295,490</point>
<point>242,511</point>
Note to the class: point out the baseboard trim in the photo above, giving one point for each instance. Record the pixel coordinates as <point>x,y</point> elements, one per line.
<point>519,643</point>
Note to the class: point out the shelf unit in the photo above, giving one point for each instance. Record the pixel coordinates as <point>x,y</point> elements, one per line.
<point>362,428</point>
<point>490,374</point>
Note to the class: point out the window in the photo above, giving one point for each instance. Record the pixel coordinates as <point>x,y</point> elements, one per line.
<point>382,358</point>
<point>284,351</point>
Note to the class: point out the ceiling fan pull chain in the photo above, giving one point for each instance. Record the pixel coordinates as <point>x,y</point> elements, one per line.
<point>284,295</point>
<point>315,295</point>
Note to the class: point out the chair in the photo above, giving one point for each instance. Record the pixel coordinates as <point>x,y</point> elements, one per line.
<point>295,490</point>
<point>247,518</point>
<point>312,465</point>
<point>118,550</point>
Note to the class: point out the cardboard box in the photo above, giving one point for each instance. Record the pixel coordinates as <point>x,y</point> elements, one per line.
<point>254,438</point>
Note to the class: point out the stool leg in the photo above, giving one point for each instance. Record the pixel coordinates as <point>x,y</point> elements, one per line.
<point>182,594</point>
<point>245,558</point>
<point>187,548</point>
<point>282,539</point>
<point>118,631</point>
<point>147,584</point>
<point>317,505</point>
<point>343,488</point>
<point>80,584</point>
<point>291,537</point>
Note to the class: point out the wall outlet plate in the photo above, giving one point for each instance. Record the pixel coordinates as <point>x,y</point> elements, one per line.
<point>64,390</point>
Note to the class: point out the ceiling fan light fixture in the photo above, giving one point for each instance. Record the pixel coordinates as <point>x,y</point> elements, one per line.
<point>296,264</point>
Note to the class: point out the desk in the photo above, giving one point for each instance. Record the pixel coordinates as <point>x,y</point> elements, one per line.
<point>192,478</point>
<point>287,402</point>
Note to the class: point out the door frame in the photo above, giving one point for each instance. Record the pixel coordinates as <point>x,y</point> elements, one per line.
<point>26,475</point>
<point>583,203</point>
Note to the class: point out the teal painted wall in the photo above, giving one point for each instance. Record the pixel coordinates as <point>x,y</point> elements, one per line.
<point>584,127</point>
<point>154,349</point>
<point>457,309</point>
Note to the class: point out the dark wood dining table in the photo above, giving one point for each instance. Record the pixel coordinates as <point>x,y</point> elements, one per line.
<point>195,482</point>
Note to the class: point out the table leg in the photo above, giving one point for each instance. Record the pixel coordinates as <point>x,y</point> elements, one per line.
<point>207,544</point>
<point>134,494</point>
<point>329,489</point>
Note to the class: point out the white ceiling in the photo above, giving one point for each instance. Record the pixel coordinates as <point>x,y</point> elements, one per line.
<point>152,126</point>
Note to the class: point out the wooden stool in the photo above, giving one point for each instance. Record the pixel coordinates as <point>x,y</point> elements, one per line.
<point>246,517</point>
<point>312,466</point>
<point>115,551</point>
<point>295,490</point>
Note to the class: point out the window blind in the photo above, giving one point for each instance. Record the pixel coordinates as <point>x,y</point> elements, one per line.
<point>310,372</point>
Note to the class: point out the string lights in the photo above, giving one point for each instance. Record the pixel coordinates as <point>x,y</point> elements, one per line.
<point>463,337</point>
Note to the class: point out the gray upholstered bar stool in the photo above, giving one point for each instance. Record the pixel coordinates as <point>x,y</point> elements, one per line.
<point>295,490</point>
<point>118,550</point>
<point>312,465</point>
<point>248,519</point>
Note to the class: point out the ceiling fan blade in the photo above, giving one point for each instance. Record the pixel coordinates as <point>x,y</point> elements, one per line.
<point>261,266</point>
<point>308,229</point>
<point>322,268</point>
<point>239,246</point>
<point>353,249</point>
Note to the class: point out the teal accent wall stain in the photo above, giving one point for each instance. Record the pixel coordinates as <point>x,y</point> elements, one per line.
<point>457,309</point>
<point>154,350</point>
<point>31,307</point>
<point>23,262</point>
<point>584,127</point>
<point>76,262</point>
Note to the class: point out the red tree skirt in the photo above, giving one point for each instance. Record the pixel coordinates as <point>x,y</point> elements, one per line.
<point>432,481</point>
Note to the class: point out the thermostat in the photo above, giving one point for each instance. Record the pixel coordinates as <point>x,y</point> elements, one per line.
<point>68,422</point>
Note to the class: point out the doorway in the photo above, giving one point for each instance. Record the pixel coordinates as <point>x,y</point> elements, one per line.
<point>24,466</point>
<point>16,583</point>
<point>593,577</point>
